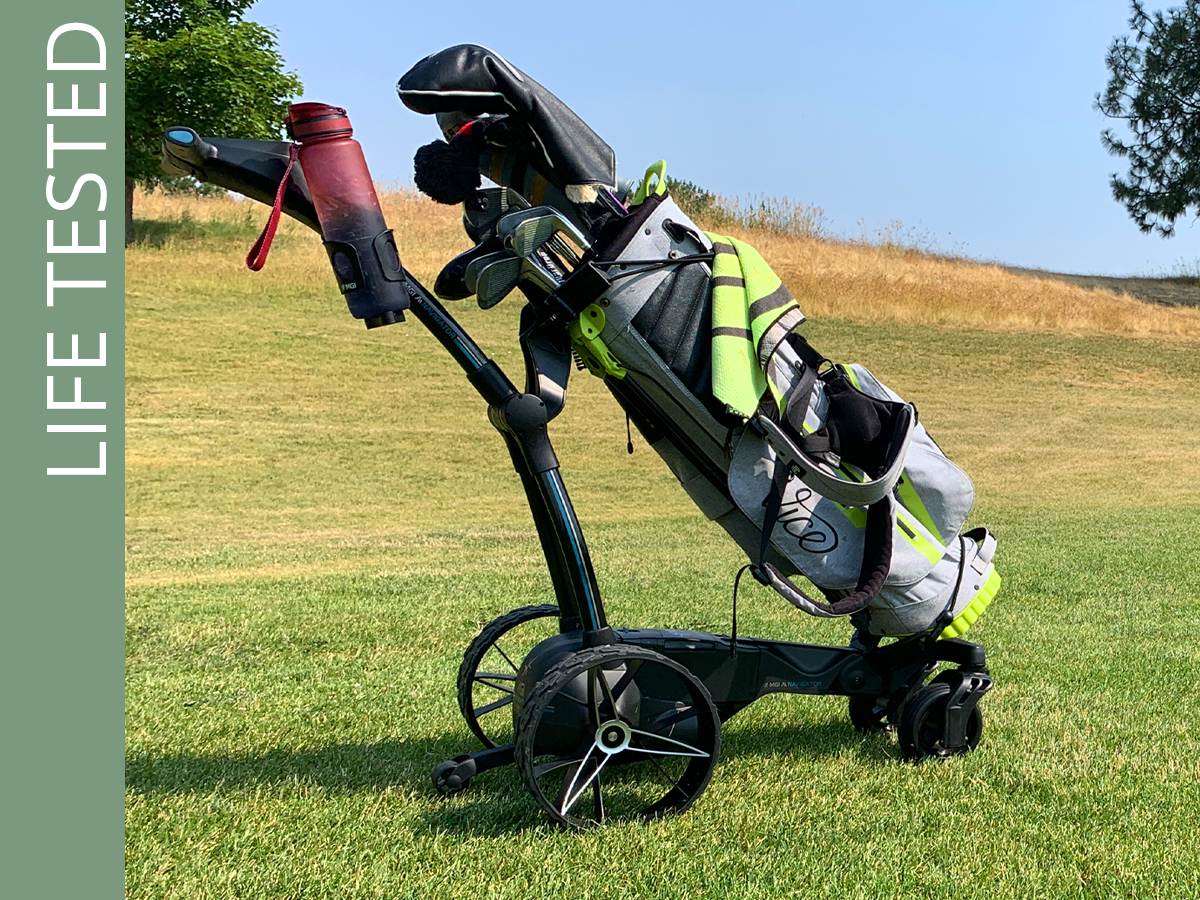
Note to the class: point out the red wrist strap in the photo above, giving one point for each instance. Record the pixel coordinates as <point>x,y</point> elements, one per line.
<point>257,257</point>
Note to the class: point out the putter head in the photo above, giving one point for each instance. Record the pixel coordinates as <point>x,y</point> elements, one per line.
<point>492,278</point>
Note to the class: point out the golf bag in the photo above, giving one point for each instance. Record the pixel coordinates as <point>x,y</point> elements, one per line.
<point>831,477</point>
<point>819,504</point>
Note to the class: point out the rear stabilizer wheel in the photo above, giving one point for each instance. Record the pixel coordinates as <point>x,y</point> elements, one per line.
<point>451,777</point>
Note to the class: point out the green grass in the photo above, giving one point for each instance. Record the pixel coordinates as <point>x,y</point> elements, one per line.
<point>320,519</point>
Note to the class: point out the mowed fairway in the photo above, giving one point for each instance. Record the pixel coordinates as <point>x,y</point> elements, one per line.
<point>320,518</point>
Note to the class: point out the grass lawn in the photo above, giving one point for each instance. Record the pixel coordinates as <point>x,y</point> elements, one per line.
<point>320,519</point>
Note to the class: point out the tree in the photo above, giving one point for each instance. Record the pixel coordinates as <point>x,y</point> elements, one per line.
<point>1155,87</point>
<point>196,63</point>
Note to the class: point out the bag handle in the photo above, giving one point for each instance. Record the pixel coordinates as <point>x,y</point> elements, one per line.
<point>877,556</point>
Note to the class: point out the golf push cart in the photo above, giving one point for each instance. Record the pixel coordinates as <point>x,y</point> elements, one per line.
<point>829,475</point>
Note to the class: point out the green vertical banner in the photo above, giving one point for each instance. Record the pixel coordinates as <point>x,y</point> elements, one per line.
<point>63,334</point>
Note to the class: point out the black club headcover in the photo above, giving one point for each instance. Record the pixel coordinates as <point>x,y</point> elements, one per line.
<point>449,172</point>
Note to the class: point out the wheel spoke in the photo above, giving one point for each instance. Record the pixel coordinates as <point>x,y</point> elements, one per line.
<point>612,692</point>
<point>492,685</point>
<point>631,669</point>
<point>666,775</point>
<point>496,646</point>
<point>573,789</point>
<point>545,768</point>
<point>673,717</point>
<point>498,676</point>
<point>574,700</point>
<point>598,800</point>
<point>672,748</point>
<point>495,705</point>
<point>596,675</point>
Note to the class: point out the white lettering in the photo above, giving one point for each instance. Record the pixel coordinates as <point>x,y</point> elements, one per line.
<point>79,402</point>
<point>51,146</point>
<point>99,470</point>
<point>51,284</point>
<point>79,183</point>
<point>75,109</point>
<point>51,65</point>
<point>74,246</point>
<point>74,359</point>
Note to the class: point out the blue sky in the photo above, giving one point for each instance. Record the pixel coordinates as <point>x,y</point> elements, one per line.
<point>970,123</point>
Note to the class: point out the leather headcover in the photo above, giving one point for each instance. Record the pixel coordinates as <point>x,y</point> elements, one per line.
<point>475,81</point>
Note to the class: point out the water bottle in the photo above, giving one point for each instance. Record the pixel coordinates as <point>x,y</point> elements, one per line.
<point>361,248</point>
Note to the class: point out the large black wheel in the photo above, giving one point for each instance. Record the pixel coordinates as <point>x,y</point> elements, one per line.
<point>489,670</point>
<point>923,722</point>
<point>617,733</point>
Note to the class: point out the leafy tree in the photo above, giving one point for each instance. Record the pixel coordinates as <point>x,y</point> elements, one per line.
<point>1155,87</point>
<point>196,63</point>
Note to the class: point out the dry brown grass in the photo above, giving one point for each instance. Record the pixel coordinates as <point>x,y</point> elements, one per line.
<point>430,234</point>
<point>162,206</point>
<point>879,285</point>
<point>848,281</point>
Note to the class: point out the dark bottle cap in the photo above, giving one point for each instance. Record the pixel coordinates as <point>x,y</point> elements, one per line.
<point>308,121</point>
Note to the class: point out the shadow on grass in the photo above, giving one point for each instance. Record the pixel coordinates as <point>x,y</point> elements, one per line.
<point>160,232</point>
<point>811,740</point>
<point>495,803</point>
<point>344,768</point>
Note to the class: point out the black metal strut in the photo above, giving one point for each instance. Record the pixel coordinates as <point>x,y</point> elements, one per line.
<point>521,418</point>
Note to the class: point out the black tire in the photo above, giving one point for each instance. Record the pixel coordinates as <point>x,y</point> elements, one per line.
<point>442,782</point>
<point>643,720</point>
<point>923,722</point>
<point>485,697</point>
<point>867,716</point>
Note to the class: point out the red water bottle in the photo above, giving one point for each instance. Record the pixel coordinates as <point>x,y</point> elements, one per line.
<point>361,247</point>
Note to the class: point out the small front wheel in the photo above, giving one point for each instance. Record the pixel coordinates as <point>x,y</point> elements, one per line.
<point>923,724</point>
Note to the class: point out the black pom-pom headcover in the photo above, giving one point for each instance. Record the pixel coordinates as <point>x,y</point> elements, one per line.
<point>449,172</point>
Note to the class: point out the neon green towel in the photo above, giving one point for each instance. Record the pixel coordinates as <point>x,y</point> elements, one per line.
<point>751,313</point>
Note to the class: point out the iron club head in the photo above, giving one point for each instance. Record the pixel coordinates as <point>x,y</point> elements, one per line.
<point>492,278</point>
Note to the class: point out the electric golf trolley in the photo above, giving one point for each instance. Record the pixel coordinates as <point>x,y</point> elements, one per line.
<point>831,476</point>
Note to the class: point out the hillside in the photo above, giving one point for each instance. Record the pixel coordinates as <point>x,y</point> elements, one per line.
<point>1177,291</point>
<point>831,279</point>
